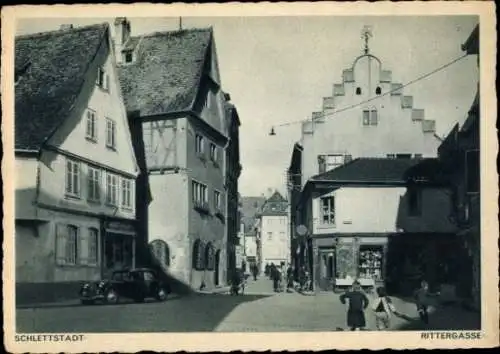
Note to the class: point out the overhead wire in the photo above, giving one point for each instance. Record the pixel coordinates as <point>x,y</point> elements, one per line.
<point>330,114</point>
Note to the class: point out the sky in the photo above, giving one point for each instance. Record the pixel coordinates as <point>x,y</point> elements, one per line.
<point>278,69</point>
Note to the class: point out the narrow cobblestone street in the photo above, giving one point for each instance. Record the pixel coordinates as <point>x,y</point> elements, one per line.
<point>259,310</point>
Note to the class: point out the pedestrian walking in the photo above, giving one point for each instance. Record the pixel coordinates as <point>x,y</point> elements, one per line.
<point>422,301</point>
<point>383,309</point>
<point>266,270</point>
<point>358,302</point>
<point>289,278</point>
<point>255,271</point>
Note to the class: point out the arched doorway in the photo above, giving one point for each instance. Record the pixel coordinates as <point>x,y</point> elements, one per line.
<point>216,268</point>
<point>161,252</point>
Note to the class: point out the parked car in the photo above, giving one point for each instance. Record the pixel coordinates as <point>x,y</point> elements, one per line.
<point>136,284</point>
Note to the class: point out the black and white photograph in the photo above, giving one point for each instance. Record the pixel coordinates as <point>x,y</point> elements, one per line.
<point>181,172</point>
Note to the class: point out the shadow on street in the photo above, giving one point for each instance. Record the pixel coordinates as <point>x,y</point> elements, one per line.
<point>192,313</point>
<point>443,318</point>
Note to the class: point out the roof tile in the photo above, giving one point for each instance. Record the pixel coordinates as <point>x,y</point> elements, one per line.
<point>166,74</point>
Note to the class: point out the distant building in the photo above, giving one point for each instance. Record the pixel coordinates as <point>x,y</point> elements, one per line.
<point>273,230</point>
<point>181,130</point>
<point>75,165</point>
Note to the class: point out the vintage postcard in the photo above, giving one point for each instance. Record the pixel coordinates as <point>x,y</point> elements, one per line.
<point>222,177</point>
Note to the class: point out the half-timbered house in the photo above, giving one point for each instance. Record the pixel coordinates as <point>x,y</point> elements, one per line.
<point>178,119</point>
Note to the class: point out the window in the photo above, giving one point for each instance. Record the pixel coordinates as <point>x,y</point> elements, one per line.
<point>72,178</point>
<point>110,133</point>
<point>93,245</point>
<point>358,90</point>
<point>94,184</point>
<point>198,261</point>
<point>102,78</point>
<point>200,198</point>
<point>209,257</point>
<point>91,132</point>
<point>329,162</point>
<point>370,262</point>
<point>472,171</point>
<point>269,236</point>
<point>213,152</point>
<point>161,251</point>
<point>370,117</point>
<point>128,56</point>
<point>378,90</point>
<point>414,202</point>
<point>217,200</point>
<point>199,144</point>
<point>328,210</point>
<point>66,244</point>
<point>126,193</point>
<point>111,189</point>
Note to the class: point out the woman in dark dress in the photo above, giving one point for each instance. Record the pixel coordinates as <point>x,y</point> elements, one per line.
<point>358,302</point>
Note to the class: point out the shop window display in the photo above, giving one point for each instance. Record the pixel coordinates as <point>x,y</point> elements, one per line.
<point>370,262</point>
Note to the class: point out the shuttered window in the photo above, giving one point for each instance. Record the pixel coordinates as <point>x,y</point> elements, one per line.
<point>66,244</point>
<point>93,245</point>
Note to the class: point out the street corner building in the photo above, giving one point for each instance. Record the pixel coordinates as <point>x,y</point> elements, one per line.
<point>185,132</point>
<point>75,165</point>
<point>376,195</point>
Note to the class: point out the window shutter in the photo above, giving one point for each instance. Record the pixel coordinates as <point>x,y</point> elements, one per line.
<point>61,231</point>
<point>83,246</point>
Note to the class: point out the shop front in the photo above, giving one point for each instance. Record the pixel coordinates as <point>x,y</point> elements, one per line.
<point>119,245</point>
<point>340,259</point>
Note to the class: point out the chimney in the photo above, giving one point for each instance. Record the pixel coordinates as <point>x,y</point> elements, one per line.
<point>122,34</point>
<point>66,27</point>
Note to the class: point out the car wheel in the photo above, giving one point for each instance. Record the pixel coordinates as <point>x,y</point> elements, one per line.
<point>111,297</point>
<point>161,294</point>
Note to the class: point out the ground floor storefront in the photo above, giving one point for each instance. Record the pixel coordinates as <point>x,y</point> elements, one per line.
<point>397,261</point>
<point>339,259</point>
<point>55,255</point>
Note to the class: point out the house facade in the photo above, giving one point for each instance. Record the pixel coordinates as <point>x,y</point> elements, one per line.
<point>75,166</point>
<point>273,230</point>
<point>352,236</point>
<point>173,96</point>
<point>233,171</point>
<point>392,125</point>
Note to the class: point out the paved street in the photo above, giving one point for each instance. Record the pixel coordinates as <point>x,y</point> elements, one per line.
<point>252,312</point>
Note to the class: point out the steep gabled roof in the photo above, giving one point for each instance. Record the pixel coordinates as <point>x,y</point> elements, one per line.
<point>370,170</point>
<point>167,71</point>
<point>275,205</point>
<point>50,71</point>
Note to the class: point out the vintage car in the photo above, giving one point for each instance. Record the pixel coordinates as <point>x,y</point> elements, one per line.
<point>136,284</point>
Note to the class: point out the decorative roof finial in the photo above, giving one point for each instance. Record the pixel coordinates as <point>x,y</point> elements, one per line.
<point>366,34</point>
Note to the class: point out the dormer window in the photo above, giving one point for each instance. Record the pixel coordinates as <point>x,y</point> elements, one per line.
<point>358,90</point>
<point>378,90</point>
<point>128,56</point>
